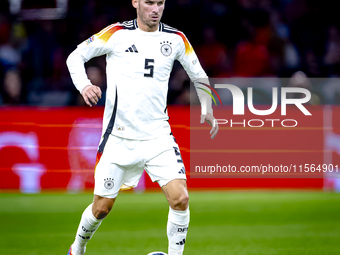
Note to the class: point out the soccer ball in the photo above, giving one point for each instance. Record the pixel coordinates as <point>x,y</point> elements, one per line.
<point>157,253</point>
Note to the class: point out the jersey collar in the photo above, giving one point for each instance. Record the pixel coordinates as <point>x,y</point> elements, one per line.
<point>160,26</point>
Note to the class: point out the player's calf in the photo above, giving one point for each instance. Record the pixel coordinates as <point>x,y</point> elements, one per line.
<point>87,226</point>
<point>89,223</point>
<point>179,215</point>
<point>177,228</point>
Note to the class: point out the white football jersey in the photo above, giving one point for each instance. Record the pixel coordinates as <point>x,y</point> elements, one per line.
<point>138,70</point>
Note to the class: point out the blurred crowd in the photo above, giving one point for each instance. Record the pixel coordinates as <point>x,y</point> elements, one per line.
<point>234,38</point>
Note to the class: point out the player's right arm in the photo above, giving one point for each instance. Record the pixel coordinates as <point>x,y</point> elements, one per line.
<point>75,63</point>
<point>97,45</point>
<point>91,94</point>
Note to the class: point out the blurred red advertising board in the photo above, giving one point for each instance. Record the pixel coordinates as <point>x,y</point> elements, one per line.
<point>55,148</point>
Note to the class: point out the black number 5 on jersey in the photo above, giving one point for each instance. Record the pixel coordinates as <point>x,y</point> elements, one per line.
<point>149,66</point>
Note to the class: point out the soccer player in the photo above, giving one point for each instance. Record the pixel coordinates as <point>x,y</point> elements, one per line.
<point>136,132</point>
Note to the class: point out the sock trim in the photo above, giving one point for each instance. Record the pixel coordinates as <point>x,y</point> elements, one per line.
<point>92,220</point>
<point>179,217</point>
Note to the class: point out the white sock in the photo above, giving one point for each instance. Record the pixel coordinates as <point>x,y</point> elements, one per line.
<point>87,226</point>
<point>177,228</point>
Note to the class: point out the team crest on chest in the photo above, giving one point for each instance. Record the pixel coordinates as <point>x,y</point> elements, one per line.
<point>166,48</point>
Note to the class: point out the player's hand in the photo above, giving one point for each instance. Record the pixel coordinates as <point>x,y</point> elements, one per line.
<point>211,121</point>
<point>91,94</point>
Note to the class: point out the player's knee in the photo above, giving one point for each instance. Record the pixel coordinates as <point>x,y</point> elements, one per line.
<point>102,206</point>
<point>101,211</point>
<point>181,203</point>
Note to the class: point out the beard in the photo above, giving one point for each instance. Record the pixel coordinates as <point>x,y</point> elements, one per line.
<point>148,21</point>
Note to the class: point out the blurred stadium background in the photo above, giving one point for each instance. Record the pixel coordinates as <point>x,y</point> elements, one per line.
<point>248,38</point>
<point>48,137</point>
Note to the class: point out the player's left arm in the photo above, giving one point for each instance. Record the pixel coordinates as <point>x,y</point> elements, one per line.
<point>211,121</point>
<point>188,59</point>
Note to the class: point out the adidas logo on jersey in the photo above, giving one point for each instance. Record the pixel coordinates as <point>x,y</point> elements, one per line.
<point>182,171</point>
<point>132,49</point>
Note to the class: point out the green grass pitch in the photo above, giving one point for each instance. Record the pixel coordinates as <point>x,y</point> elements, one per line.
<point>222,223</point>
